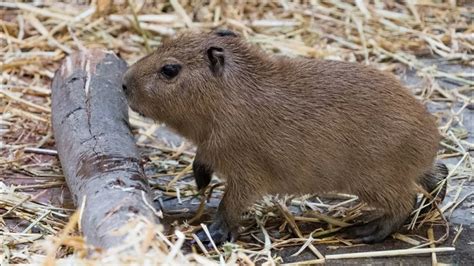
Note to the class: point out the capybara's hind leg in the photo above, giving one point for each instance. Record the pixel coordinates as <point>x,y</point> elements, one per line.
<point>432,179</point>
<point>376,230</point>
<point>390,215</point>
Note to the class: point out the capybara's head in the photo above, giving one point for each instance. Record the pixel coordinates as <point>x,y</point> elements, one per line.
<point>186,78</point>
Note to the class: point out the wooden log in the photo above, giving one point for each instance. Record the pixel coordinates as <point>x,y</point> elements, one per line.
<point>95,146</point>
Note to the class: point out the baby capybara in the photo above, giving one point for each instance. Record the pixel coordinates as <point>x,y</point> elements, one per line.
<point>273,124</point>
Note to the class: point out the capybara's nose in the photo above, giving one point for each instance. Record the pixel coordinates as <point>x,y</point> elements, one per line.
<point>126,83</point>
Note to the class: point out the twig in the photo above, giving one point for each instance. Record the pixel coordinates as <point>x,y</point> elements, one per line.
<point>388,253</point>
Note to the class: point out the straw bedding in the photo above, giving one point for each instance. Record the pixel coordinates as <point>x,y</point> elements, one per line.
<point>38,224</point>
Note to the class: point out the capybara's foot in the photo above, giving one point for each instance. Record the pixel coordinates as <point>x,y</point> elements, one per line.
<point>220,233</point>
<point>375,230</point>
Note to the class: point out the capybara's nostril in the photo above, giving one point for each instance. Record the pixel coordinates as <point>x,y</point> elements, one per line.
<point>124,88</point>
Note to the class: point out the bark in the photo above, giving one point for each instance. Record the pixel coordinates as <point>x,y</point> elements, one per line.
<point>95,146</point>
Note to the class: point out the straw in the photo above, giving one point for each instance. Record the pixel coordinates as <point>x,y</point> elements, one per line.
<point>391,36</point>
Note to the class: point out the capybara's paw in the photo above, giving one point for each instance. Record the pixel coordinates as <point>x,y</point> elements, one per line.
<point>219,232</point>
<point>374,231</point>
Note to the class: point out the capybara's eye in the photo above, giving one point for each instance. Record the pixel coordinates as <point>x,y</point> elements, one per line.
<point>170,71</point>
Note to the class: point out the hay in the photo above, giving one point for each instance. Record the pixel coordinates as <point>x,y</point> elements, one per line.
<point>34,38</point>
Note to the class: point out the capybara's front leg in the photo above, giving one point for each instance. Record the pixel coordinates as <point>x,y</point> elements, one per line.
<point>237,197</point>
<point>202,172</point>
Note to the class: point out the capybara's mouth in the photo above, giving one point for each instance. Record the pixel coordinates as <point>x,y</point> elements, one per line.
<point>138,112</point>
<point>136,109</point>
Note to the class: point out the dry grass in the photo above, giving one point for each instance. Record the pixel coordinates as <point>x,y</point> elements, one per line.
<point>34,204</point>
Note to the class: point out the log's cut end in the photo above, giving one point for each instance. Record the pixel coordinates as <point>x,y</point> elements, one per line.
<point>86,60</point>
<point>96,148</point>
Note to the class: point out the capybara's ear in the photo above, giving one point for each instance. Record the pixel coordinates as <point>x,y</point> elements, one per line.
<point>216,59</point>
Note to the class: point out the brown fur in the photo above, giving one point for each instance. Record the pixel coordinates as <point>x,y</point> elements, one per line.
<point>273,124</point>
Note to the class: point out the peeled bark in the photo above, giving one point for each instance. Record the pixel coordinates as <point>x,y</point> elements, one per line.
<point>95,146</point>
